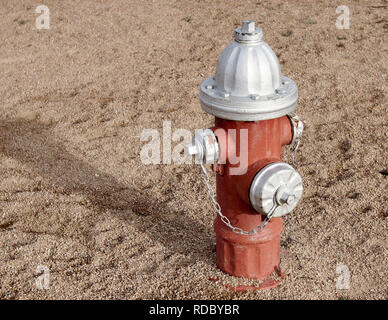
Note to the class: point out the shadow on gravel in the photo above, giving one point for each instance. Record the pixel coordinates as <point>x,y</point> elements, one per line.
<point>35,145</point>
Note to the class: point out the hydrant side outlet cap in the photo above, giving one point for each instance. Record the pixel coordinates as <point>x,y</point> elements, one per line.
<point>248,84</point>
<point>276,184</point>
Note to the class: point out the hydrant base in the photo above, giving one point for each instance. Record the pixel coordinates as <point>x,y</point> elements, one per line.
<point>255,257</point>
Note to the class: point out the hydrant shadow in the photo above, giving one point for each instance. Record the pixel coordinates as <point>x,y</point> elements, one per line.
<point>33,144</point>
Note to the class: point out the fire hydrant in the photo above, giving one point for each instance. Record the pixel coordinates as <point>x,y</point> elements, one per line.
<point>253,105</point>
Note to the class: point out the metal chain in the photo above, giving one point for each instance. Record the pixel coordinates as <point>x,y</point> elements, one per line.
<point>294,148</point>
<point>225,219</point>
<point>297,135</point>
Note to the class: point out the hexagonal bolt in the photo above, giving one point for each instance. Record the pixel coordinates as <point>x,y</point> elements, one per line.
<point>248,26</point>
<point>286,198</point>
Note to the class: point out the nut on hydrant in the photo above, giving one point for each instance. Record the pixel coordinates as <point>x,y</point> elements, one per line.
<point>253,105</point>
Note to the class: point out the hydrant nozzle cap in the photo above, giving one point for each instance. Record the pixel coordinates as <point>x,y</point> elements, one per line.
<point>248,33</point>
<point>277,184</point>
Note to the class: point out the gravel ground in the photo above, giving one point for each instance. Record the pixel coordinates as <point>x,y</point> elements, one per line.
<point>76,199</point>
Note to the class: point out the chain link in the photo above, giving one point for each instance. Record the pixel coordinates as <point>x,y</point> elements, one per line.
<point>293,153</point>
<point>225,219</point>
<point>298,127</point>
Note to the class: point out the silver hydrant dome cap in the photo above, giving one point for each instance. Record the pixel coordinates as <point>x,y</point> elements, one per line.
<point>248,84</point>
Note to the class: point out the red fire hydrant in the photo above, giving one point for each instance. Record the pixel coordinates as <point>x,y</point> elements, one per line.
<point>253,105</point>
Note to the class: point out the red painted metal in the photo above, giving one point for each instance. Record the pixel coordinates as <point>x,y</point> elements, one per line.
<point>254,256</point>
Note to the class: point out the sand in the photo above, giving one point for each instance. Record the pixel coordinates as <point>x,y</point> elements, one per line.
<point>76,199</point>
